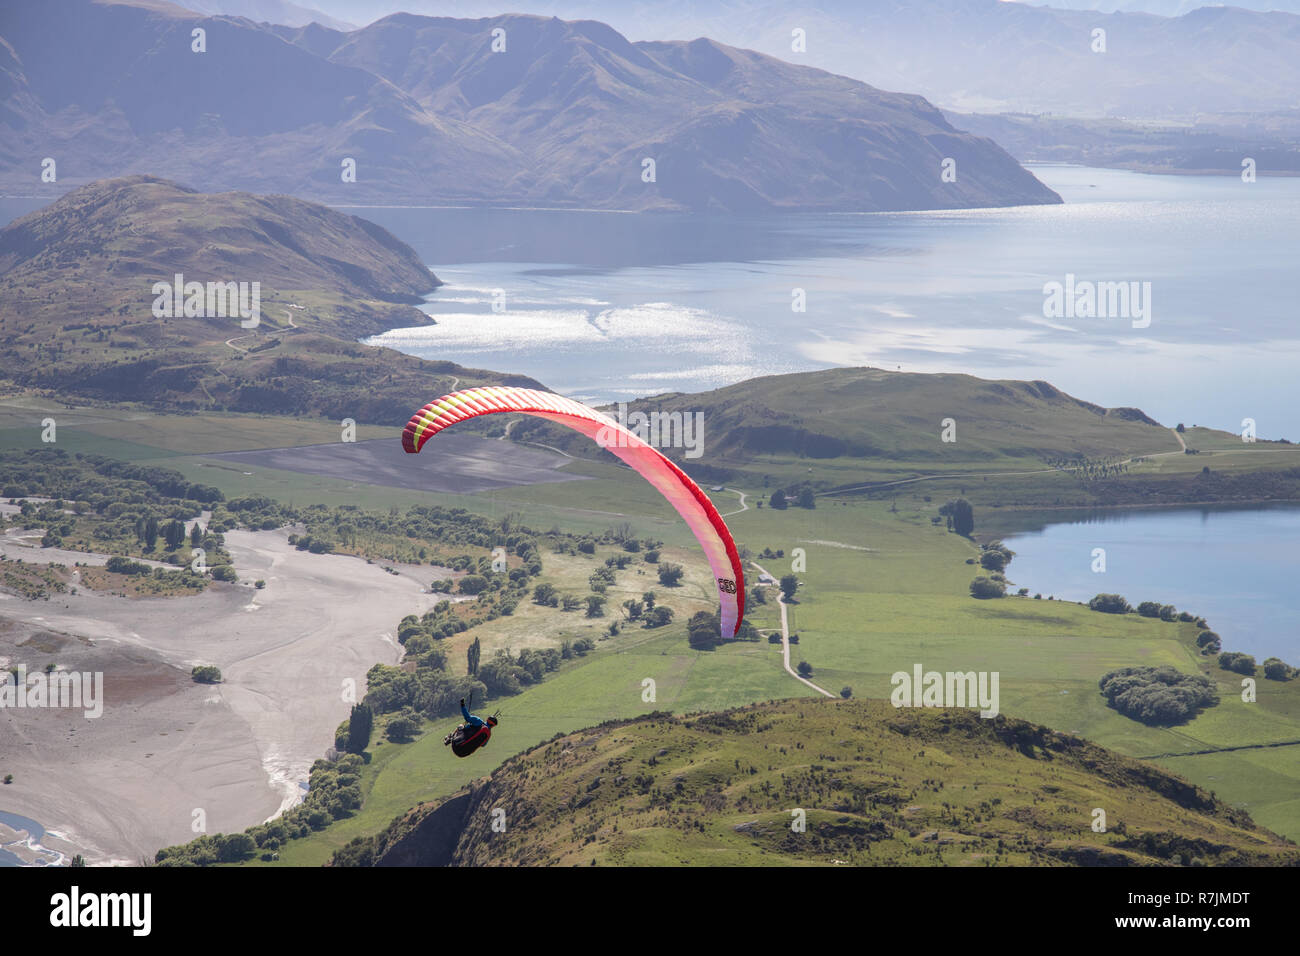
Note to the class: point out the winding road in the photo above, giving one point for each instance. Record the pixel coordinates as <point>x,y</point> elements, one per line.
<point>785,635</point>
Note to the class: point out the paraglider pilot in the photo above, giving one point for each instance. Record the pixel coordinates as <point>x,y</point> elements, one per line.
<point>472,734</point>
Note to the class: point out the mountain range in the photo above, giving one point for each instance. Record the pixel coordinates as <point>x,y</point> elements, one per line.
<point>567,114</point>
<point>987,56</point>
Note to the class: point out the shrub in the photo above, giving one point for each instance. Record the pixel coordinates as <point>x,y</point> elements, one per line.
<point>984,588</point>
<point>120,565</point>
<point>1159,696</point>
<point>402,727</point>
<point>669,574</point>
<point>1277,669</point>
<point>206,674</point>
<point>1238,662</point>
<point>1209,642</point>
<point>703,629</point>
<point>473,584</point>
<point>1110,604</point>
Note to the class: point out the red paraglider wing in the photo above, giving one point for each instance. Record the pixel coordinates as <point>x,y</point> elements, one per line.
<point>682,493</point>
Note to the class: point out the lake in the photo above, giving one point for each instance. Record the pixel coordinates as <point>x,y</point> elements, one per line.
<point>1235,566</point>
<point>608,306</point>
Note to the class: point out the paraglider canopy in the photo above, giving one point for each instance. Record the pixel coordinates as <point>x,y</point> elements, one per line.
<point>674,484</point>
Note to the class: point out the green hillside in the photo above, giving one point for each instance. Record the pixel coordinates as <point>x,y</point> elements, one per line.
<point>873,431</point>
<point>877,785</point>
<point>870,413</point>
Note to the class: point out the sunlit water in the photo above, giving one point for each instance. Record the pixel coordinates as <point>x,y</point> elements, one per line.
<point>609,305</point>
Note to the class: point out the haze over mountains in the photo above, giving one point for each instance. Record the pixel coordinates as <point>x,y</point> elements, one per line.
<point>566,115</point>
<point>982,55</point>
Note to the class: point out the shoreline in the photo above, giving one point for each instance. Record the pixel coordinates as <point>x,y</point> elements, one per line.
<point>981,537</point>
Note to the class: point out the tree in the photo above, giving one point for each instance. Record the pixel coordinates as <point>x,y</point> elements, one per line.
<point>1110,604</point>
<point>595,605</point>
<point>206,674</point>
<point>1209,642</point>
<point>402,727</point>
<point>174,535</point>
<point>545,594</point>
<point>804,669</point>
<point>473,584</point>
<point>150,533</point>
<point>669,574</point>
<point>806,499</point>
<point>703,629</point>
<point>993,560</point>
<point>360,724</point>
<point>1277,669</point>
<point>1238,662</point>
<point>846,692</point>
<point>961,514</point>
<point>789,584</point>
<point>1160,696</point>
<point>1180,429</point>
<point>1149,608</point>
<point>661,615</point>
<point>778,500</point>
<point>474,653</point>
<point>235,847</point>
<point>984,588</point>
